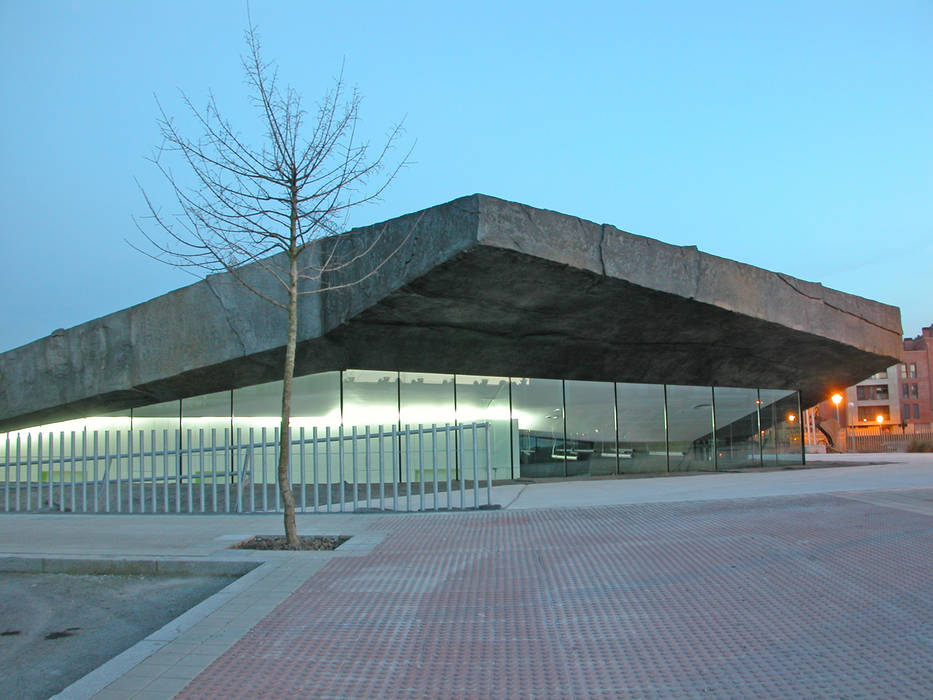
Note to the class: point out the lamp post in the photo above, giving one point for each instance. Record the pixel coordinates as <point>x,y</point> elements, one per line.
<point>836,399</point>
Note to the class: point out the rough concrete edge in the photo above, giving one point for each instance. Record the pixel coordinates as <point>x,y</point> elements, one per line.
<point>125,661</point>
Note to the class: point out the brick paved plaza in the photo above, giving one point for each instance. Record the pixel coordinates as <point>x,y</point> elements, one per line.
<point>792,596</point>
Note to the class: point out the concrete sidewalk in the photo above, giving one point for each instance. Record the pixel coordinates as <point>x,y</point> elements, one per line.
<point>415,600</point>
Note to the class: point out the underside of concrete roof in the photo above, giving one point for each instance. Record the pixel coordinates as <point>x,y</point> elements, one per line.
<point>476,286</point>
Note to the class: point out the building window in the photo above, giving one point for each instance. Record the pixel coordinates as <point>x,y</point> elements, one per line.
<point>903,371</point>
<point>883,374</point>
<point>869,414</point>
<point>914,392</point>
<point>872,393</point>
<point>916,411</point>
<point>912,370</point>
<point>906,388</point>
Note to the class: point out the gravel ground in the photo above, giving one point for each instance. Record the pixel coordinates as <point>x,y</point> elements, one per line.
<point>55,628</point>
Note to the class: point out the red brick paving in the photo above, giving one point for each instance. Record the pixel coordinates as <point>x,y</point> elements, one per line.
<point>813,596</point>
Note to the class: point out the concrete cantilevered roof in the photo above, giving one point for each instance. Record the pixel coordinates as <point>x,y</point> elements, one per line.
<point>479,286</point>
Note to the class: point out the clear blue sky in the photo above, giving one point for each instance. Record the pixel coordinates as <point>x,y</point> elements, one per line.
<point>797,136</point>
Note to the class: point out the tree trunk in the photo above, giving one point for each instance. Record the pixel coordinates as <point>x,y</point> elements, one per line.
<point>285,486</point>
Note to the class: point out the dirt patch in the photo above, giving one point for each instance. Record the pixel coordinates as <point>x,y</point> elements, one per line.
<point>305,542</point>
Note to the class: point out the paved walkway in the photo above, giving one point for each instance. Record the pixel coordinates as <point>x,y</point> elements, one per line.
<point>673,587</point>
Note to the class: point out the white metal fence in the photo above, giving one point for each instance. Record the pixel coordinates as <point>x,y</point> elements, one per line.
<point>410,468</point>
<point>877,441</point>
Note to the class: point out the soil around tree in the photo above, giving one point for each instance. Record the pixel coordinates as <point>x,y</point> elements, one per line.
<point>305,542</point>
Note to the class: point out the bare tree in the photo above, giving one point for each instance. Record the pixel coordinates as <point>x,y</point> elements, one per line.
<point>246,204</point>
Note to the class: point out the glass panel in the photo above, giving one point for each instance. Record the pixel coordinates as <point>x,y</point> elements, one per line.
<point>779,432</point>
<point>591,428</point>
<point>258,409</point>
<point>206,424</point>
<point>426,400</point>
<point>737,438</point>
<point>537,405</point>
<point>161,427</point>
<point>642,428</point>
<point>370,398</point>
<point>487,399</point>
<point>690,428</point>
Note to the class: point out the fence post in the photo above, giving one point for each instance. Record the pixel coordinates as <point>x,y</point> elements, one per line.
<point>488,465</point>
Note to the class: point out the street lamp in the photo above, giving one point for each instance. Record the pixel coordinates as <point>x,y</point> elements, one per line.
<point>836,399</point>
<point>879,418</point>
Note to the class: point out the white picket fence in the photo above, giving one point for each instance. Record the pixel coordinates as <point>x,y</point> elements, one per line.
<point>394,468</point>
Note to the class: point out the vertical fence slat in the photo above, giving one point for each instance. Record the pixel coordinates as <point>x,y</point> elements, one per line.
<point>354,443</point>
<point>434,461</point>
<point>421,464</point>
<point>201,468</point>
<point>382,481</point>
<point>301,466</point>
<point>119,472</point>
<point>28,471</point>
<point>189,470</point>
<point>314,474</point>
<point>395,474</point>
<point>251,456</point>
<point>327,470</point>
<point>369,468</point>
<point>228,468</point>
<point>18,473</point>
<point>408,467</point>
<point>153,493</point>
<point>129,471</point>
<point>340,462</point>
<point>142,471</point>
<point>105,478</point>
<point>165,507</point>
<point>6,481</point>
<point>488,465</point>
<point>213,470</point>
<point>50,477</point>
<point>447,451</point>
<point>61,458</point>
<point>265,491</point>
<point>276,456</point>
<point>96,473</point>
<point>74,485</point>
<point>460,437</point>
<point>475,472</point>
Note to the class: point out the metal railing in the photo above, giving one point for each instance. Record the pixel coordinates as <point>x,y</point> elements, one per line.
<point>877,441</point>
<point>407,468</point>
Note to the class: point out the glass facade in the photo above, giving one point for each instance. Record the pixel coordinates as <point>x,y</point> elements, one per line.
<point>538,428</point>
<point>642,428</point>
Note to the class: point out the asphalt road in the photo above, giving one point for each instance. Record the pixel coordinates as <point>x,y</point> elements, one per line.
<point>54,628</point>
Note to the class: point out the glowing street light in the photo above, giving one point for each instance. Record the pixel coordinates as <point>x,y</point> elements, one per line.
<point>791,417</point>
<point>836,399</point>
<point>879,418</point>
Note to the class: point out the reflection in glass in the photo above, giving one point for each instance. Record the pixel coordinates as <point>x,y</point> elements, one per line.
<point>642,428</point>
<point>780,427</point>
<point>690,428</point>
<point>370,398</point>
<point>737,437</point>
<point>538,406</point>
<point>487,399</point>
<point>591,428</point>
<point>426,400</point>
<point>206,423</point>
